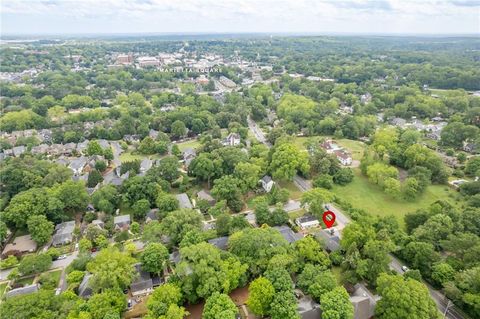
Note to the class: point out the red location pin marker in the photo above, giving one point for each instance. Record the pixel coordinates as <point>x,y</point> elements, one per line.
<point>328,218</point>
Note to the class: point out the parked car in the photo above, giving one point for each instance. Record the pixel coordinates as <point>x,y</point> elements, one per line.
<point>61,257</point>
<point>405,268</point>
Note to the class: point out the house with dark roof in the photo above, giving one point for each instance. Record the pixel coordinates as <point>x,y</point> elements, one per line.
<point>307,221</point>
<point>143,283</point>
<point>84,289</point>
<point>288,234</point>
<point>145,165</point>
<point>63,233</point>
<point>77,165</point>
<point>122,222</point>
<point>22,291</point>
<point>220,242</point>
<point>18,150</point>
<point>307,307</point>
<point>332,242</point>
<point>184,201</point>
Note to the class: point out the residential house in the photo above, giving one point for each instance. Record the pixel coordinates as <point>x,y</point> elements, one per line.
<point>288,234</point>
<point>307,308</point>
<point>98,223</point>
<point>77,165</point>
<point>82,147</point>
<point>233,139</point>
<point>330,146</point>
<point>220,242</point>
<point>131,139</point>
<point>23,244</point>
<point>122,222</point>
<point>469,147</point>
<point>332,241</point>
<point>145,165</point>
<point>143,283</point>
<point>267,183</point>
<point>307,221</point>
<point>22,291</point>
<point>363,302</point>
<point>184,201</point>
<point>434,135</point>
<point>343,157</point>
<point>205,195</point>
<point>84,289</point>
<point>397,121</point>
<point>63,233</point>
<point>151,215</point>
<point>45,135</point>
<point>18,150</point>
<point>188,155</point>
<point>69,149</point>
<point>40,149</point>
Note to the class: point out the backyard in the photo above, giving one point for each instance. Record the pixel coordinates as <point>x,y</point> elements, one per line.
<point>354,147</point>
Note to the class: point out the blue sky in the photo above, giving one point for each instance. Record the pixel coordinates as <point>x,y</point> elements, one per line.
<point>229,16</point>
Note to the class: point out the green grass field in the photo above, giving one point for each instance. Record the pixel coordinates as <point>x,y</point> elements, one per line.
<point>189,144</point>
<point>128,157</point>
<point>365,195</point>
<point>25,281</point>
<point>295,193</point>
<point>55,275</point>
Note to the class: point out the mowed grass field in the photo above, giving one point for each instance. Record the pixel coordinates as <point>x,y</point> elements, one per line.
<point>369,197</point>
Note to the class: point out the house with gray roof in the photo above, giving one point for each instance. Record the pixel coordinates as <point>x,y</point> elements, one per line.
<point>184,201</point>
<point>205,195</point>
<point>288,234</point>
<point>63,233</point>
<point>77,165</point>
<point>145,165</point>
<point>22,291</point>
<point>332,242</point>
<point>19,150</point>
<point>220,242</point>
<point>82,147</point>
<point>40,149</point>
<point>307,307</point>
<point>267,183</point>
<point>143,283</point>
<point>363,302</point>
<point>84,289</point>
<point>122,222</point>
<point>188,155</point>
<point>151,215</point>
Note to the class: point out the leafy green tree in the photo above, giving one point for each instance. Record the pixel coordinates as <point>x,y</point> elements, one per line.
<point>323,283</point>
<point>40,228</point>
<point>442,273</point>
<point>162,298</point>
<point>309,250</point>
<point>336,304</point>
<point>34,264</point>
<point>177,223</point>
<point>140,209</point>
<point>107,303</point>
<point>219,306</point>
<point>287,161</point>
<point>73,195</point>
<point>256,246</point>
<point>226,188</point>
<point>94,148</point>
<point>472,168</point>
<point>168,168</point>
<point>402,299</point>
<point>111,269</point>
<point>315,199</point>
<point>343,176</point>
<point>248,174</point>
<point>284,306</point>
<point>323,181</point>
<point>94,178</point>
<point>178,129</point>
<point>100,166</point>
<point>279,277</point>
<point>154,257</point>
<point>84,245</point>
<point>25,204</point>
<point>260,296</point>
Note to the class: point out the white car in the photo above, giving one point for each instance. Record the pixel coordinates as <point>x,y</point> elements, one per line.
<point>61,257</point>
<point>405,268</point>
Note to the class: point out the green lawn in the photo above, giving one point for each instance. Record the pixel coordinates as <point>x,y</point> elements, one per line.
<point>365,195</point>
<point>188,144</point>
<point>3,286</point>
<point>296,213</point>
<point>129,157</point>
<point>25,281</point>
<point>55,275</point>
<point>295,193</point>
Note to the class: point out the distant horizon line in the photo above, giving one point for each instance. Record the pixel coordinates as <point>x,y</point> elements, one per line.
<point>262,33</point>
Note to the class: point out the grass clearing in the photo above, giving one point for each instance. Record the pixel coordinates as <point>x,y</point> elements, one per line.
<point>369,197</point>
<point>296,213</point>
<point>25,281</point>
<point>188,144</point>
<point>129,157</point>
<point>356,148</point>
<point>295,193</point>
<point>53,275</point>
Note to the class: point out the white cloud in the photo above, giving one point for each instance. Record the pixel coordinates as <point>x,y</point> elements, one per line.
<point>110,16</point>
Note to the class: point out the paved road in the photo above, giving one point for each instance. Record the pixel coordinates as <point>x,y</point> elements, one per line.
<point>442,302</point>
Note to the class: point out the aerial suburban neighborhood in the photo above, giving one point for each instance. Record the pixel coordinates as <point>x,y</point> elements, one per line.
<point>225,176</point>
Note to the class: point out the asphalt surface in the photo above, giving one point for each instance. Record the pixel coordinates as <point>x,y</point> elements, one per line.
<point>444,305</point>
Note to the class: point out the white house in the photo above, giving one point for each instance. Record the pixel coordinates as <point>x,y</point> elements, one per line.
<point>267,183</point>
<point>343,157</point>
<point>233,139</point>
<point>307,221</point>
